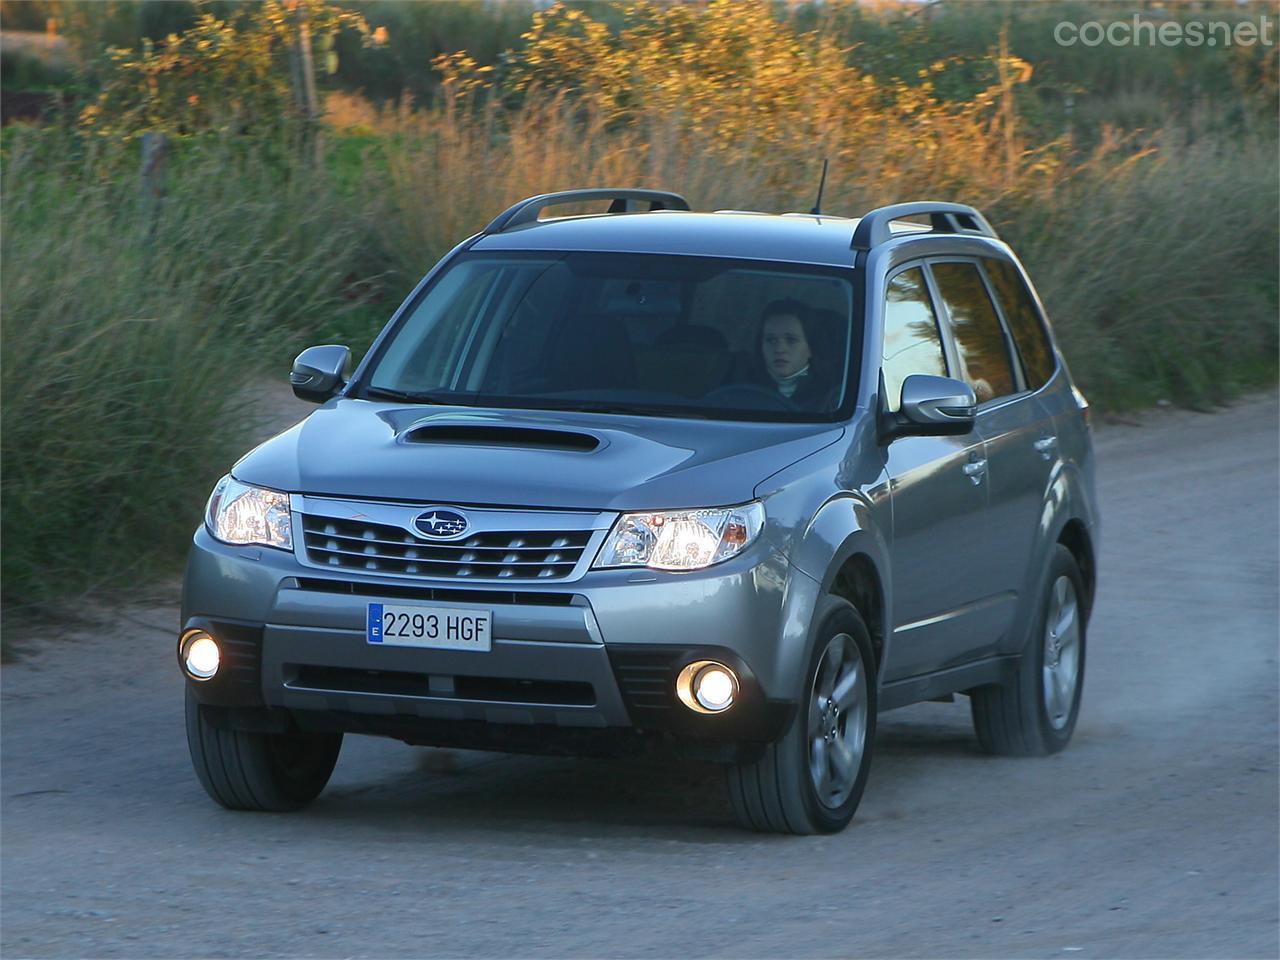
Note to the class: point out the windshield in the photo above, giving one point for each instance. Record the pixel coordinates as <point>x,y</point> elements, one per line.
<point>625,333</point>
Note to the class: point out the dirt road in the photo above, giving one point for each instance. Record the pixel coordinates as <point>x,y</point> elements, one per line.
<point>1154,835</point>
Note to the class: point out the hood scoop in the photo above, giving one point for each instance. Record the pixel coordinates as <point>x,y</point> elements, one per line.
<point>525,438</point>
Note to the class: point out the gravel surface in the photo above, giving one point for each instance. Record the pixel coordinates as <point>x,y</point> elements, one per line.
<point>1153,835</point>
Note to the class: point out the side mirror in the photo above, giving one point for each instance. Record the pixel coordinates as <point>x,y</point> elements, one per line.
<point>317,373</point>
<point>934,407</point>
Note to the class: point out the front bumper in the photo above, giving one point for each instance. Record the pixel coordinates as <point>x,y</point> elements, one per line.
<point>597,653</point>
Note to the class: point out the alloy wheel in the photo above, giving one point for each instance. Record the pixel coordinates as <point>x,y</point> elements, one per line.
<point>837,721</point>
<point>1061,652</point>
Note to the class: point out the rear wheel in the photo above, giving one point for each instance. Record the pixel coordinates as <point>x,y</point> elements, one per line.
<point>811,780</point>
<point>1034,713</point>
<point>259,771</point>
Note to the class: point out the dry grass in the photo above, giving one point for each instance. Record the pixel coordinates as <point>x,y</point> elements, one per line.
<point>1160,271</point>
<point>1157,260</point>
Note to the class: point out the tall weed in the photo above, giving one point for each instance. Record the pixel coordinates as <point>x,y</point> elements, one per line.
<point>1160,270</point>
<point>129,333</point>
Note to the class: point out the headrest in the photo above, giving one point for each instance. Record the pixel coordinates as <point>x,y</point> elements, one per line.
<point>691,336</point>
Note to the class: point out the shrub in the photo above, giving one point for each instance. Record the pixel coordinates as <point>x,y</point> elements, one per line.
<point>230,75</point>
<point>129,334</point>
<point>1159,270</point>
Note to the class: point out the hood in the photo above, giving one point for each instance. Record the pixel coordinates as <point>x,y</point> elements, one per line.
<point>555,459</point>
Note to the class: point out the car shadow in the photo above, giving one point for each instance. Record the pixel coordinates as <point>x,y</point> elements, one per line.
<point>659,794</point>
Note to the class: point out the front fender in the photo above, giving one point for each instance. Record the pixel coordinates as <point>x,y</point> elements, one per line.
<point>823,510</point>
<point>845,526</point>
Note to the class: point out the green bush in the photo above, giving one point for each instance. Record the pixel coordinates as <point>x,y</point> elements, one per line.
<point>130,332</point>
<point>416,33</point>
<point>1160,272</point>
<point>21,70</point>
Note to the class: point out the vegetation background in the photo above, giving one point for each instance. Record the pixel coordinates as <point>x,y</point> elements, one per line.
<point>140,300</point>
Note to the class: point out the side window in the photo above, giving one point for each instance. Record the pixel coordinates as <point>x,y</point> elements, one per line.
<point>1029,334</point>
<point>984,356</point>
<point>912,343</point>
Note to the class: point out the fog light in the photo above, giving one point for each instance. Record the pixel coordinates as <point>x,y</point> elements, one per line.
<point>199,655</point>
<point>713,688</point>
<point>707,687</point>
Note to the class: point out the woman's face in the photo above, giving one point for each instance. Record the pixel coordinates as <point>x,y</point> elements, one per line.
<point>786,351</point>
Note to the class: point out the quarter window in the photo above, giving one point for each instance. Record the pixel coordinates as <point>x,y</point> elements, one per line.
<point>912,343</point>
<point>1024,322</point>
<point>980,342</point>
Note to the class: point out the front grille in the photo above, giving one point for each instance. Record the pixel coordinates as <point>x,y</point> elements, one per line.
<point>383,548</point>
<point>496,598</point>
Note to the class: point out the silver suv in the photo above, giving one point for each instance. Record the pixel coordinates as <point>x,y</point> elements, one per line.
<point>733,481</point>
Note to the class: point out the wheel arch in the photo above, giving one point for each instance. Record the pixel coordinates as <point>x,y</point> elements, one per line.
<point>842,553</point>
<point>1075,537</point>
<point>1067,518</point>
<point>859,582</point>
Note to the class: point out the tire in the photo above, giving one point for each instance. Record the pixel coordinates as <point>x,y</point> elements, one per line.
<point>259,771</point>
<point>779,793</point>
<point>1034,713</point>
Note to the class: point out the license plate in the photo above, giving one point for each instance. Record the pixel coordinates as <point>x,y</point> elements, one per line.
<point>419,625</point>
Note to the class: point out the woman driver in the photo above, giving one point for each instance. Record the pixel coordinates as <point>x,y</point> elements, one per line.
<point>786,350</point>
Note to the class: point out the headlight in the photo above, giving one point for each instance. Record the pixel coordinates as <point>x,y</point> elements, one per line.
<point>680,539</point>
<point>239,513</point>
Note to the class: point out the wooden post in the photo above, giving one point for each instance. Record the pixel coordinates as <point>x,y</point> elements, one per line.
<point>155,152</point>
<point>308,70</point>
<point>308,99</point>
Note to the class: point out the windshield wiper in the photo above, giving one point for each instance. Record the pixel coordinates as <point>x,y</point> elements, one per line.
<point>621,409</point>
<point>522,403</point>
<point>408,396</point>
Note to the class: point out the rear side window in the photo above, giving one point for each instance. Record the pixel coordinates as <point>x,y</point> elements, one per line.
<point>1024,321</point>
<point>984,355</point>
<point>912,343</point>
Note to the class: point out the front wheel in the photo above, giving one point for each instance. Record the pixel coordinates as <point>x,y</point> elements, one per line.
<point>811,780</point>
<point>1034,712</point>
<point>259,771</point>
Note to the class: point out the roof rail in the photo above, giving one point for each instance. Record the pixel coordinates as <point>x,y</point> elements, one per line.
<point>873,229</point>
<point>624,201</point>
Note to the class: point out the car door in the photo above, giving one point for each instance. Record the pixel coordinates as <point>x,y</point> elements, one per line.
<point>1028,458</point>
<point>1017,430</point>
<point>938,495</point>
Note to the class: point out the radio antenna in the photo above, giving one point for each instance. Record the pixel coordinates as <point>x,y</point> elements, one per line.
<point>817,204</point>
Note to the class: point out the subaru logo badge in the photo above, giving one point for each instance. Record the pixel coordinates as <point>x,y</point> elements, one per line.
<point>441,524</point>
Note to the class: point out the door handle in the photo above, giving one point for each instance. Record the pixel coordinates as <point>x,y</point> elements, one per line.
<point>1045,446</point>
<point>975,470</point>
